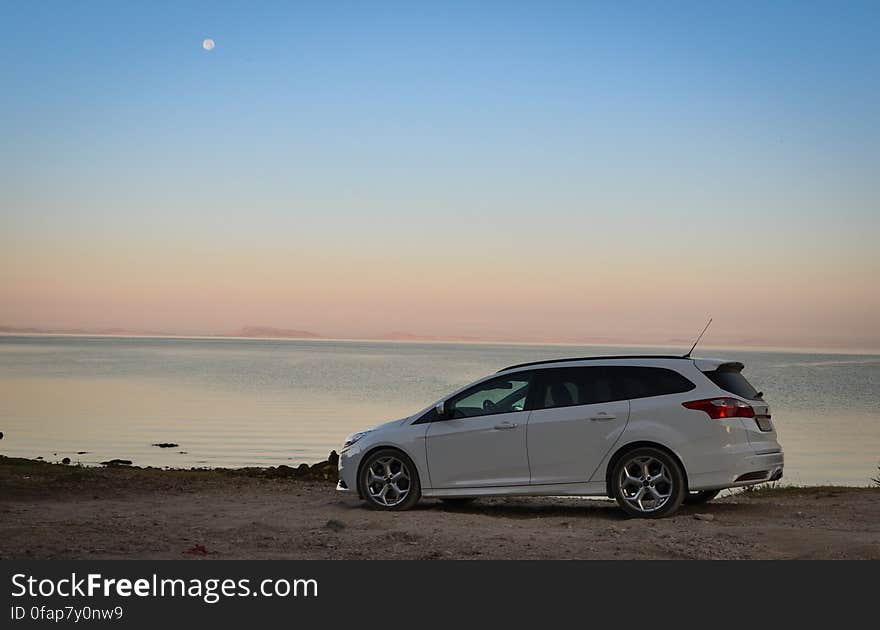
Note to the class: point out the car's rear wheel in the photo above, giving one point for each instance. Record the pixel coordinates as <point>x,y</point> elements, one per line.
<point>700,496</point>
<point>388,480</point>
<point>648,483</point>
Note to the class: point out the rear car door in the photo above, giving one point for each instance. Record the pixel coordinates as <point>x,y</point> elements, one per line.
<point>483,443</point>
<point>577,417</point>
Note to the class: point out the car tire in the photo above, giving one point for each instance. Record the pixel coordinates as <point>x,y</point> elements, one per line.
<point>648,482</point>
<point>388,480</point>
<point>701,496</point>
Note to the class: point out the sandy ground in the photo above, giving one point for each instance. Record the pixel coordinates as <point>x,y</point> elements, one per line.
<point>49,511</point>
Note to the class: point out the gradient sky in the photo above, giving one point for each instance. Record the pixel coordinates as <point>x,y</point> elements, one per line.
<point>507,170</point>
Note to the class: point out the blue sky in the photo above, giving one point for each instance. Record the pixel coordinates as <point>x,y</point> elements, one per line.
<point>340,139</point>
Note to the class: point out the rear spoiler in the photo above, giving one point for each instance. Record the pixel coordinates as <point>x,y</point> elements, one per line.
<point>730,366</point>
<point>711,365</point>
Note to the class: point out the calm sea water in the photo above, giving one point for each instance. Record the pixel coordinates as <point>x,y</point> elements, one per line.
<point>232,403</point>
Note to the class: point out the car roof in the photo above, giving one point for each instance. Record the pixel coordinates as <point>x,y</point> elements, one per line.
<point>703,364</point>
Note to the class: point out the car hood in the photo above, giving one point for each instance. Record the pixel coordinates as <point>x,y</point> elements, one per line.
<point>390,424</point>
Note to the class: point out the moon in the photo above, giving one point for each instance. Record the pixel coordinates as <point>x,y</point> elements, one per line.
<point>208,44</point>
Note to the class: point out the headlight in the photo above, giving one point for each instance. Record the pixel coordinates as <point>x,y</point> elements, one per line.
<point>351,439</point>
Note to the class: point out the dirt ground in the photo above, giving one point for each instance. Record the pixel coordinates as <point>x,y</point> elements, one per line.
<point>51,511</point>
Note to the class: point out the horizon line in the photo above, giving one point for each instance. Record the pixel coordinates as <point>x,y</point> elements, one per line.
<point>453,340</point>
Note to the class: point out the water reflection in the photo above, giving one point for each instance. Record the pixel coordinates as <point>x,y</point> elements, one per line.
<point>264,402</point>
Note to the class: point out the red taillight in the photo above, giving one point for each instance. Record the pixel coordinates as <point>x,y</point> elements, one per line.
<point>718,408</point>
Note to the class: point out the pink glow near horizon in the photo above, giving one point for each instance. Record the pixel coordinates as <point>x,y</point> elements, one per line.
<point>357,295</point>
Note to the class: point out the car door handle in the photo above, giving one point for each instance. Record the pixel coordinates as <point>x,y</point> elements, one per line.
<point>504,426</point>
<point>601,417</point>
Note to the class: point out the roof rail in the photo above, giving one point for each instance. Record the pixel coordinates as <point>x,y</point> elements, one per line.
<point>601,358</point>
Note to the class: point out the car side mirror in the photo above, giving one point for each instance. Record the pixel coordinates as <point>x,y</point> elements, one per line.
<point>444,410</point>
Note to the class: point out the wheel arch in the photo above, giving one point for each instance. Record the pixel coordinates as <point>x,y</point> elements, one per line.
<point>626,448</point>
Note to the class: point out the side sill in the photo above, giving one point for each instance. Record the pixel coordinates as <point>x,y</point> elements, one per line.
<point>545,490</point>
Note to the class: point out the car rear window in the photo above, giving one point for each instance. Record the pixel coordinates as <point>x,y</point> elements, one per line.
<point>565,387</point>
<point>731,380</point>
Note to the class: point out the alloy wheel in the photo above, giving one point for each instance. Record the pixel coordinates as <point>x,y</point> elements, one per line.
<point>388,481</point>
<point>645,483</point>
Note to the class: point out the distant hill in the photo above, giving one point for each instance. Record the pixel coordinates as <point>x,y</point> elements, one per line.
<point>12,330</point>
<point>127,332</point>
<point>267,331</point>
<point>117,332</point>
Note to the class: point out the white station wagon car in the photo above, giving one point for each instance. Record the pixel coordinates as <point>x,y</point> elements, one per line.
<point>649,431</point>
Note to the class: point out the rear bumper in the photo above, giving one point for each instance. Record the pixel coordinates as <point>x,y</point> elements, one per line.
<point>758,467</point>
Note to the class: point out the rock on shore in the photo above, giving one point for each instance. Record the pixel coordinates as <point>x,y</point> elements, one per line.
<point>321,471</point>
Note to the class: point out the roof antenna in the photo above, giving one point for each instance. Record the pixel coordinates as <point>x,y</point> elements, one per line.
<point>688,355</point>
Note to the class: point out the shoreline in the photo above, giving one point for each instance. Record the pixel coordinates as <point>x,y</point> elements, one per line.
<point>323,470</point>
<point>326,470</point>
<point>53,511</point>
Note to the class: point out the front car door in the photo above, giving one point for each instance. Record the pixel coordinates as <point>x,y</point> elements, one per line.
<point>483,442</point>
<point>577,418</point>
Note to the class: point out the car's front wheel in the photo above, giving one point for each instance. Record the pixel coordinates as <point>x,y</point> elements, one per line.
<point>389,480</point>
<point>648,483</point>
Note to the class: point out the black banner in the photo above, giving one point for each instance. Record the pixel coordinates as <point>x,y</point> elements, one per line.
<point>234,593</point>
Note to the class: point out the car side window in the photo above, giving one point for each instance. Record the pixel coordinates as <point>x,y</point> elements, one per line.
<point>644,382</point>
<point>567,387</point>
<point>505,394</point>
